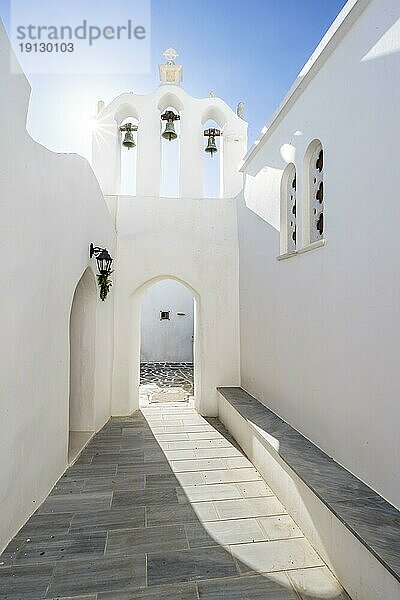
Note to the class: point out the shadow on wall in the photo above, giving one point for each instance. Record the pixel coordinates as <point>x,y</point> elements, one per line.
<point>261,221</point>
<point>386,44</point>
<point>262,193</point>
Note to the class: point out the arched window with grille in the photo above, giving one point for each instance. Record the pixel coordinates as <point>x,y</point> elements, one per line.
<point>316,192</point>
<point>289,210</point>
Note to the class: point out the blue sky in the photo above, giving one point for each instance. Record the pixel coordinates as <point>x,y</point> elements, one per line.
<point>243,50</point>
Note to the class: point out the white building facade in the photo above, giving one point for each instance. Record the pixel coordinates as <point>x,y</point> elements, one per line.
<point>324,353</point>
<point>190,239</point>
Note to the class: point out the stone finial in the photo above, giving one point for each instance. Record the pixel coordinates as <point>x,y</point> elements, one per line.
<point>171,72</point>
<point>170,56</point>
<point>100,105</point>
<point>212,95</point>
<point>240,110</point>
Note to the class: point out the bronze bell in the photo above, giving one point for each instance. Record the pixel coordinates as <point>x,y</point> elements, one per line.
<point>129,141</point>
<point>169,133</point>
<point>211,147</point>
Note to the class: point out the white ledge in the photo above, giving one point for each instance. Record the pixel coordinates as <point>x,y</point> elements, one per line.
<point>312,246</point>
<point>286,255</point>
<point>308,248</point>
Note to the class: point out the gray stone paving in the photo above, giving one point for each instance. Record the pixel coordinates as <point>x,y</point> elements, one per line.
<point>163,505</point>
<point>167,375</point>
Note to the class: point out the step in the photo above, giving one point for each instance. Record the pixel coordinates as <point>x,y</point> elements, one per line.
<point>356,531</point>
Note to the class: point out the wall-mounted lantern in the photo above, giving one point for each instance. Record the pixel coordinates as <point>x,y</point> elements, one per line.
<point>129,141</point>
<point>211,147</point>
<point>169,132</point>
<point>104,264</point>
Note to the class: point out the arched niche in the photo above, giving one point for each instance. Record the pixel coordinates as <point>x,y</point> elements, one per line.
<point>82,338</point>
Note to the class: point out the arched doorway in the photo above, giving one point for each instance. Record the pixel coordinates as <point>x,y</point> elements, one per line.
<point>167,343</point>
<point>82,335</point>
<point>168,338</point>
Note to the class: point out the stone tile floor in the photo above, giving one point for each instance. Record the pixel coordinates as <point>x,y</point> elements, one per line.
<point>163,505</point>
<point>165,382</point>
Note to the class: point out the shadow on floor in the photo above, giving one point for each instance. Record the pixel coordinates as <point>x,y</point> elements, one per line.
<point>163,505</point>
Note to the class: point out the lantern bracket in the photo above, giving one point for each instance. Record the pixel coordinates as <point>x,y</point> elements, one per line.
<point>94,250</point>
<point>104,260</point>
<point>104,263</point>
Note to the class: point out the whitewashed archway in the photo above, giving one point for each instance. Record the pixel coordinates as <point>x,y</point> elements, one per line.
<point>82,336</point>
<point>134,353</point>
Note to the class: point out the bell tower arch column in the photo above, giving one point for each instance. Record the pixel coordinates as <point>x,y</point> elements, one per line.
<point>234,149</point>
<point>191,178</point>
<point>106,154</point>
<point>148,170</point>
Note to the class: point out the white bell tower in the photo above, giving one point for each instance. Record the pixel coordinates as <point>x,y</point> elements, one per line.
<point>193,114</point>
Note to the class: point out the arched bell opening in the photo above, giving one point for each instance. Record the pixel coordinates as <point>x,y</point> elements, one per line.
<point>170,140</point>
<point>128,140</point>
<point>212,160</point>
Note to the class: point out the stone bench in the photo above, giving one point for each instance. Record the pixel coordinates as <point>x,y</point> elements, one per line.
<point>354,529</point>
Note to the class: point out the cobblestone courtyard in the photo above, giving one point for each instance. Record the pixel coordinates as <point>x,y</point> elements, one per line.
<point>166,382</point>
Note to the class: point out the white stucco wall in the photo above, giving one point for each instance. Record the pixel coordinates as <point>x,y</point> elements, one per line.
<point>51,209</point>
<point>193,241</point>
<point>167,340</point>
<point>320,331</point>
